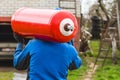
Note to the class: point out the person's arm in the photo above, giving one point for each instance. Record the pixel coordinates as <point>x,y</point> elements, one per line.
<point>76,63</point>
<point>21,54</point>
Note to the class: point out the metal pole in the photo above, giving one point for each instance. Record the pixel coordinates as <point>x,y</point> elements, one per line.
<point>118,21</point>
<point>81,15</point>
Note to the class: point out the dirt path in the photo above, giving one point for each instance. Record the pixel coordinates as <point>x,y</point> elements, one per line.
<point>90,72</point>
<point>19,76</point>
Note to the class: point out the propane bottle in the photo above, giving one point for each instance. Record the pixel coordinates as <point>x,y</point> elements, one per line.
<point>46,24</point>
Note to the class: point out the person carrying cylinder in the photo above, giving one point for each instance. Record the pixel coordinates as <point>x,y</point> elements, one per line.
<point>45,57</point>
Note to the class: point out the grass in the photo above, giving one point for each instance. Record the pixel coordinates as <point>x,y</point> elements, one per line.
<point>6,75</point>
<point>78,74</point>
<point>108,72</point>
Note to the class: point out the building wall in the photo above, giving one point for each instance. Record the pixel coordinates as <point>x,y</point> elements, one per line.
<point>8,7</point>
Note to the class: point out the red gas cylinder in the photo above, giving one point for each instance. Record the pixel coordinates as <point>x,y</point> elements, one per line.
<point>50,25</point>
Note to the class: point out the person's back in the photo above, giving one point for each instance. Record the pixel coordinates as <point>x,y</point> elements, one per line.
<point>46,60</point>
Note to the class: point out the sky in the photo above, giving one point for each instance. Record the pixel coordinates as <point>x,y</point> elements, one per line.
<point>86,4</point>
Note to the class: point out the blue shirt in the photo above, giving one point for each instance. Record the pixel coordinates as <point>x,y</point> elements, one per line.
<point>46,60</point>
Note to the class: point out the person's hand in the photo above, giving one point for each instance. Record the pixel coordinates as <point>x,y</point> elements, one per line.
<point>18,38</point>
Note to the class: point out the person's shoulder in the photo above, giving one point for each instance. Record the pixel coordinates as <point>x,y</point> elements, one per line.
<point>69,46</point>
<point>34,41</point>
